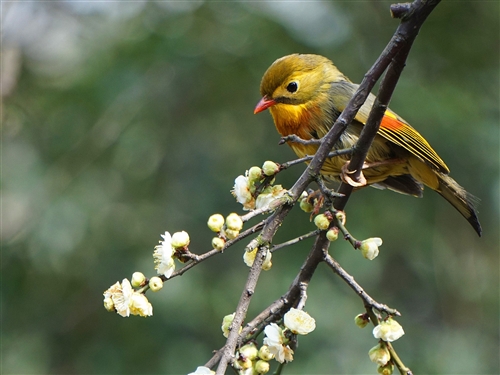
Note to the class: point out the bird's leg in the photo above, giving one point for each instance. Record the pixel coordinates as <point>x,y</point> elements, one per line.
<point>360,180</point>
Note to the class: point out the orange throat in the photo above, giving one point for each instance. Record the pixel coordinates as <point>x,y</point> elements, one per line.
<point>292,119</point>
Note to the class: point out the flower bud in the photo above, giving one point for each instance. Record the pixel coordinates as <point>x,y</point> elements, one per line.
<point>180,240</point>
<point>218,243</point>
<point>369,247</point>
<point>109,304</point>
<point>270,168</point>
<point>261,367</point>
<point>265,354</point>
<point>379,354</point>
<point>322,222</point>
<point>234,222</point>
<point>231,234</point>
<point>138,279</point>
<point>340,216</point>
<point>332,234</point>
<point>215,222</point>
<point>249,351</point>
<point>306,206</point>
<point>155,284</point>
<point>244,363</point>
<point>388,369</point>
<point>254,174</point>
<point>362,320</point>
<point>226,323</point>
<point>388,330</point>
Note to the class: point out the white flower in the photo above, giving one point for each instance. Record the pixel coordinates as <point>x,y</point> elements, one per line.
<point>139,305</point>
<point>388,330</point>
<point>369,247</point>
<point>275,341</point>
<point>299,322</point>
<point>249,258</point>
<point>202,370</point>
<point>241,192</point>
<point>163,256</point>
<point>118,297</point>
<point>123,299</point>
<point>266,200</point>
<point>379,355</point>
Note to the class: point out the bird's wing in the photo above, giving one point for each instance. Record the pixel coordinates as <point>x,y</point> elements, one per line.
<point>392,127</point>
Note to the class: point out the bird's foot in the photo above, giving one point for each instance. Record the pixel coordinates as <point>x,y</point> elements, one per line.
<point>351,177</point>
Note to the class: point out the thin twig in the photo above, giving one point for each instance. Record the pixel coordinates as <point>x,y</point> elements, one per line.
<point>294,240</point>
<point>305,159</point>
<point>211,253</point>
<point>296,139</point>
<point>368,301</point>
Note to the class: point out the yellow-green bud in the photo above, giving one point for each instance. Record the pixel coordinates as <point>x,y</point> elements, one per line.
<point>270,168</point>
<point>109,304</point>
<point>254,174</point>
<point>215,222</point>
<point>226,323</point>
<point>138,279</point>
<point>265,354</point>
<point>245,363</point>
<point>362,320</point>
<point>234,222</point>
<point>218,243</point>
<point>249,351</point>
<point>380,355</point>
<point>261,367</point>
<point>388,369</point>
<point>340,215</point>
<point>332,234</point>
<point>232,234</point>
<point>155,284</point>
<point>180,239</point>
<point>322,222</point>
<point>306,206</point>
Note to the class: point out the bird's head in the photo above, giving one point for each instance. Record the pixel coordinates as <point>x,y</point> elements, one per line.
<point>296,79</point>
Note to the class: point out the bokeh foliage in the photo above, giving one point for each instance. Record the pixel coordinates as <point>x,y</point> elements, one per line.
<point>123,120</point>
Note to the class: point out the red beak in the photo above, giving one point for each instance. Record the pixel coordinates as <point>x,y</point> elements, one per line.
<point>264,104</point>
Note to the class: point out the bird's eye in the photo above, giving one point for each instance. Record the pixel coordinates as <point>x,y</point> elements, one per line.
<point>292,87</point>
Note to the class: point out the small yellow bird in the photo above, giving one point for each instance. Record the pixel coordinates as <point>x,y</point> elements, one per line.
<point>305,95</point>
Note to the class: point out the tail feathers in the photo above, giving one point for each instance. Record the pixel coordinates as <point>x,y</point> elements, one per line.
<point>463,201</point>
<point>404,184</point>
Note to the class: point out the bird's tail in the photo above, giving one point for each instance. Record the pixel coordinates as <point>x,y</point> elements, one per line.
<point>463,201</point>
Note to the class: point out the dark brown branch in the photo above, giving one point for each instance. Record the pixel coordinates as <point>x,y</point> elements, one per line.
<point>401,42</point>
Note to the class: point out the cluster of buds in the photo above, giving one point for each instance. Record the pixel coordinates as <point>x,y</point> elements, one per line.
<point>248,189</point>
<point>387,331</point>
<point>127,298</point>
<point>227,228</point>
<point>251,360</point>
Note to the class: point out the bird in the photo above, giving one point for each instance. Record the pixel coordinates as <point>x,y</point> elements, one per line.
<point>306,93</point>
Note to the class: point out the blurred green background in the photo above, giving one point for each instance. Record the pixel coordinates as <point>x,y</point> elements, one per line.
<point>123,120</point>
